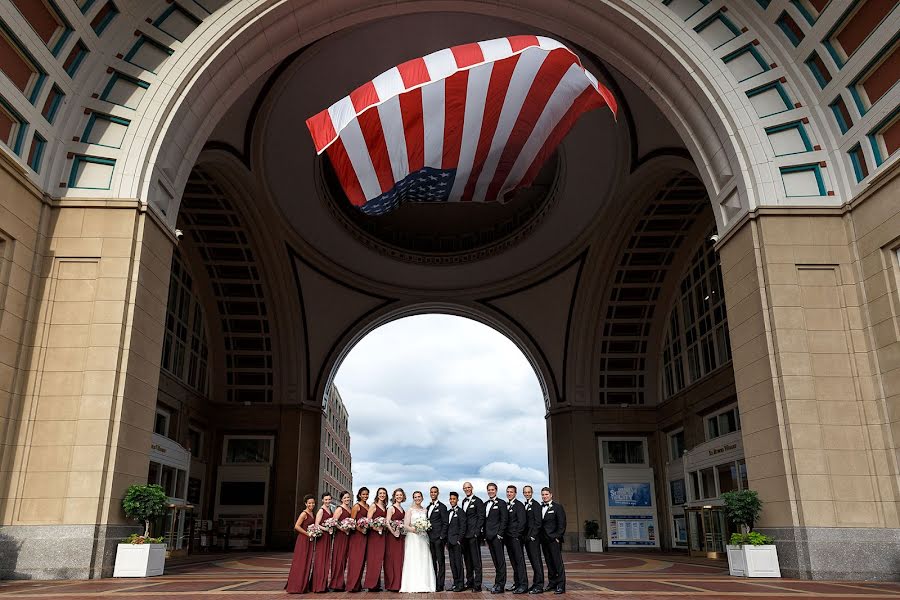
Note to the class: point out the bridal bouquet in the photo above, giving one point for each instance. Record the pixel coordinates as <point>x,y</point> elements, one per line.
<point>348,524</point>
<point>422,525</point>
<point>398,527</point>
<point>314,531</point>
<point>329,524</point>
<point>378,524</point>
<point>364,523</point>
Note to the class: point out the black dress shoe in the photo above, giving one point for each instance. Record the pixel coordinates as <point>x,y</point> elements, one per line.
<point>520,590</point>
<point>510,587</point>
<point>476,589</point>
<point>550,588</point>
<point>535,590</point>
<point>497,589</point>
<point>559,590</point>
<point>457,588</point>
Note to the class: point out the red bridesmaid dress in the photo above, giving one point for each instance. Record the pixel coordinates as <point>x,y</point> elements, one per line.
<point>322,558</point>
<point>375,553</point>
<point>339,551</point>
<point>393,556</point>
<point>356,554</point>
<point>298,578</point>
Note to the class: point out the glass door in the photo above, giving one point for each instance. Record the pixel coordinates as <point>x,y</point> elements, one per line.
<point>706,532</point>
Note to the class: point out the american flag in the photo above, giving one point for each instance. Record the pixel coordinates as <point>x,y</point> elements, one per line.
<point>469,123</point>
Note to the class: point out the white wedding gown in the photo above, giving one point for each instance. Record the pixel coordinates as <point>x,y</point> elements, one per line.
<point>418,573</point>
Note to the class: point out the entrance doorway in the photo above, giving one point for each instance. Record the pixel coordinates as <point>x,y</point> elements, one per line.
<point>706,531</point>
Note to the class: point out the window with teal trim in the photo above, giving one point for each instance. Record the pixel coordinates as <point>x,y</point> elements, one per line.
<point>746,62</point>
<point>47,21</point>
<point>148,54</point>
<point>855,26</point>
<point>841,114</point>
<point>803,180</point>
<point>789,138</point>
<point>810,9</point>
<point>75,58</point>
<point>124,90</point>
<point>52,103</point>
<point>177,22</point>
<point>858,160</point>
<point>36,153</point>
<point>91,172</point>
<point>17,63</point>
<point>12,128</point>
<point>84,5</point>
<point>885,137</point>
<point>104,17</point>
<point>818,69</point>
<point>685,9</point>
<point>770,99</point>
<point>878,77</point>
<point>105,130</point>
<point>717,30</point>
<point>789,26</point>
<point>764,3</point>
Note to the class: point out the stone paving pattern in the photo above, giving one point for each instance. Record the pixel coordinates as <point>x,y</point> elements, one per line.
<point>608,575</point>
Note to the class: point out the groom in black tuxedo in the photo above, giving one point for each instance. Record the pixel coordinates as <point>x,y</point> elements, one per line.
<point>495,517</point>
<point>515,531</point>
<point>456,529</point>
<point>553,527</point>
<point>436,512</point>
<point>532,539</point>
<point>473,511</point>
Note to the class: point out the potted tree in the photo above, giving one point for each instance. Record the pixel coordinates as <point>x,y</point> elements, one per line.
<point>592,536</point>
<point>750,553</point>
<point>142,555</point>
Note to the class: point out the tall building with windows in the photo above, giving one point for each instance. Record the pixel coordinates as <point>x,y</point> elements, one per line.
<point>334,460</point>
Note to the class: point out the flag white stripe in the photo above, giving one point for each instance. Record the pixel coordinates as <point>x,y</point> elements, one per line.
<point>433,114</point>
<point>476,93</point>
<point>570,87</point>
<point>519,84</point>
<point>440,64</point>
<point>394,138</point>
<point>342,112</point>
<point>388,84</point>
<point>358,152</point>
<point>495,49</point>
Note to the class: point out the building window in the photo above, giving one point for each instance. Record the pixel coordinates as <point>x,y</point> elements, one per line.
<point>185,349</point>
<point>20,66</point>
<point>195,442</point>
<point>47,21</point>
<point>723,423</point>
<point>12,128</point>
<point>696,341</point>
<point>676,444</point>
<point>712,482</point>
<point>248,450</point>
<point>36,154</point>
<point>623,452</point>
<point>161,425</point>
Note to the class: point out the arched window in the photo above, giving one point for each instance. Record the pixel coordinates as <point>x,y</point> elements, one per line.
<point>696,341</point>
<point>185,349</point>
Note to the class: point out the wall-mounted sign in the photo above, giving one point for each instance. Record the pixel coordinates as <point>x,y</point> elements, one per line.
<point>629,494</point>
<point>679,496</point>
<point>632,530</point>
<point>721,449</point>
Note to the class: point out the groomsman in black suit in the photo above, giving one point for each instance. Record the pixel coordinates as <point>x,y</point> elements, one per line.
<point>532,539</point>
<point>456,530</point>
<point>436,512</point>
<point>495,517</point>
<point>553,527</point>
<point>515,531</point>
<point>473,510</point>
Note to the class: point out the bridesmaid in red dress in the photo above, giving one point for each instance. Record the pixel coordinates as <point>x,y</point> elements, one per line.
<point>298,578</point>
<point>393,550</point>
<point>356,554</point>
<point>341,544</point>
<point>375,545</point>
<point>322,557</point>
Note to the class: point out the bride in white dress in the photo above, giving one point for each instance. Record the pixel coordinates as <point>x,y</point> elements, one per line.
<point>418,574</point>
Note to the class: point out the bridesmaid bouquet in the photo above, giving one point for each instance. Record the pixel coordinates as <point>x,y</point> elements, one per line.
<point>329,524</point>
<point>347,525</point>
<point>398,527</point>
<point>422,525</point>
<point>378,524</point>
<point>364,523</point>
<point>314,531</point>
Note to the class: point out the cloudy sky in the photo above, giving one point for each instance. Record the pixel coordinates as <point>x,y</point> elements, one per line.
<point>438,400</point>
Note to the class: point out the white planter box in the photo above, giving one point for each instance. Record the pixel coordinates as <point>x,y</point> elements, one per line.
<point>594,545</point>
<point>753,561</point>
<point>140,560</point>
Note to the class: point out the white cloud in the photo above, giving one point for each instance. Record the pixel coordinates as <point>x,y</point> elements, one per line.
<point>438,400</point>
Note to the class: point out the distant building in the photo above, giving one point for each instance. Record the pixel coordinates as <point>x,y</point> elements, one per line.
<point>334,459</point>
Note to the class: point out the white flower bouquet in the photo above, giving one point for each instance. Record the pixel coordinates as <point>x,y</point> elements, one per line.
<point>422,525</point>
<point>378,524</point>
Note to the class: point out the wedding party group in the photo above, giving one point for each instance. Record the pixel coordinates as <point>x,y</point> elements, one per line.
<point>383,546</point>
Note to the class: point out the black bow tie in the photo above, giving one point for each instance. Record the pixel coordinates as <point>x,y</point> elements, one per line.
<point>544,504</point>
<point>432,504</point>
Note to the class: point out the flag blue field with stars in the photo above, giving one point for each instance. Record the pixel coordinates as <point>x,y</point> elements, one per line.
<point>425,185</point>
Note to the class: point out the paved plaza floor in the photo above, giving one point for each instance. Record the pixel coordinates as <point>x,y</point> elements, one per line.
<point>607,575</point>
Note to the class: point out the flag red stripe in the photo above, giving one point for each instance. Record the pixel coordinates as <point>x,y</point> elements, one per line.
<point>413,72</point>
<point>370,125</point>
<point>455,88</point>
<point>493,104</point>
<point>545,82</point>
<point>413,128</point>
<point>467,55</point>
<point>322,129</point>
<point>589,99</point>
<point>520,42</point>
<point>364,96</point>
<point>343,168</point>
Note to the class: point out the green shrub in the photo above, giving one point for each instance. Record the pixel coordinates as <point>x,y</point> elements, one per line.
<point>742,508</point>
<point>144,503</point>
<point>592,530</point>
<point>752,539</point>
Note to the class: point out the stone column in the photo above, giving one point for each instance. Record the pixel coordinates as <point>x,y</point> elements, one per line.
<point>808,392</point>
<point>86,379</point>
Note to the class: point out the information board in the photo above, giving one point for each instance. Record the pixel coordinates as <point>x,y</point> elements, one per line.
<point>632,530</point>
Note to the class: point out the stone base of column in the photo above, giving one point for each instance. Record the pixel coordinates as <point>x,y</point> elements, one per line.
<point>849,553</point>
<point>60,551</point>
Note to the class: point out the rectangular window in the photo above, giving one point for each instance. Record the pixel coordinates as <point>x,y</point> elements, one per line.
<point>153,473</point>
<point>818,69</point>
<point>176,22</point>
<point>105,130</point>
<point>195,442</point>
<point>803,180</point>
<point>877,78</point>
<point>728,477</point>
<point>248,450</point>
<point>885,138</point>
<point>858,160</point>
<point>746,62</point>
<point>91,172</point>
<point>19,66</point>
<point>708,483</point>
<point>36,153</point>
<point>841,114</point>
<point>855,26</point>
<point>75,58</point>
<point>810,9</point>
<point>789,138</point>
<point>770,99</point>
<point>148,54</point>
<point>84,5</point>
<point>685,9</point>
<point>161,424</point>
<point>676,444</point>
<point>723,423</point>
<point>103,17</point>
<point>789,26</point>
<point>12,128</point>
<point>742,474</point>
<point>623,452</point>
<point>47,21</point>
<point>717,30</point>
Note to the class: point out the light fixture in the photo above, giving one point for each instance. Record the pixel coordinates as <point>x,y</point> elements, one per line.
<point>714,238</point>
<point>178,234</point>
